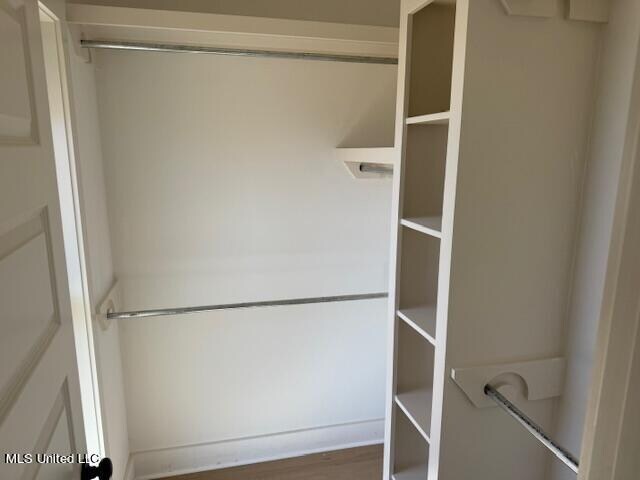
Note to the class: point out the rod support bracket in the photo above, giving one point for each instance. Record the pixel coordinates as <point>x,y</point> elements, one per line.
<point>110,303</point>
<point>535,380</point>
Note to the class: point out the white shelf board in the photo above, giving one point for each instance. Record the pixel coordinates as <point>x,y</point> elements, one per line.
<point>416,404</point>
<point>354,157</point>
<point>366,154</point>
<point>428,225</point>
<point>422,319</point>
<point>419,472</point>
<point>440,118</point>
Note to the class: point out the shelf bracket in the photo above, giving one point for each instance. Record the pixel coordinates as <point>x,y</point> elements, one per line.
<point>531,8</point>
<point>589,10</point>
<point>580,10</point>
<point>112,302</point>
<point>537,380</point>
<point>75,38</point>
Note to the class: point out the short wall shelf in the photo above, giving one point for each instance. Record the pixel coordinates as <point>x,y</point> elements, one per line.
<point>354,157</point>
<point>440,118</point>
<point>422,319</point>
<point>416,404</point>
<point>428,225</point>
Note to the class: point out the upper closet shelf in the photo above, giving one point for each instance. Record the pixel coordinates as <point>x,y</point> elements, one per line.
<point>428,225</point>
<point>366,155</point>
<point>122,24</point>
<point>440,118</point>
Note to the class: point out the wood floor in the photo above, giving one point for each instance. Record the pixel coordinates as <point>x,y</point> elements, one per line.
<point>363,463</point>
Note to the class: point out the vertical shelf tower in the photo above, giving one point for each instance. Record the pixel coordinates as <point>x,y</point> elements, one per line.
<point>423,125</point>
<point>491,134</point>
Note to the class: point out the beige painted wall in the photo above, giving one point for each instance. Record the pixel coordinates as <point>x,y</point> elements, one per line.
<point>365,12</point>
<point>609,130</point>
<point>526,111</point>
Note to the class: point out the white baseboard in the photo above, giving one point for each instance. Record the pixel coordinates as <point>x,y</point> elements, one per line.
<point>166,462</point>
<point>130,472</point>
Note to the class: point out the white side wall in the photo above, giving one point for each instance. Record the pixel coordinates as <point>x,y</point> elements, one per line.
<point>98,256</point>
<point>620,47</point>
<point>223,186</point>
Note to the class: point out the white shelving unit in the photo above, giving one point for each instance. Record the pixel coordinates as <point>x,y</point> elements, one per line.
<point>366,154</point>
<point>422,121</point>
<point>488,186</point>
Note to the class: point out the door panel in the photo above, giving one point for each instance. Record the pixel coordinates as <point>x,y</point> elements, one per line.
<point>28,303</point>
<point>39,392</point>
<point>17,119</point>
<point>56,436</point>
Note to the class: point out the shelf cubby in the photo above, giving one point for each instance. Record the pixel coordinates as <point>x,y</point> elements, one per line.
<point>416,404</point>
<point>418,472</point>
<point>415,379</point>
<point>431,59</point>
<point>418,286</point>
<point>425,162</point>
<point>411,450</point>
<point>422,319</point>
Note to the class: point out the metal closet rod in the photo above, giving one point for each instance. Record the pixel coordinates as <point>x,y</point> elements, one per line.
<point>532,427</point>
<point>230,306</point>
<point>376,168</point>
<point>162,47</point>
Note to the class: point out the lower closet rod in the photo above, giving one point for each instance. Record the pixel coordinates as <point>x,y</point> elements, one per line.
<point>533,428</point>
<point>229,306</point>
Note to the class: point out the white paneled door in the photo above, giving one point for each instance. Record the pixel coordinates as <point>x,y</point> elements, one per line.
<point>40,409</point>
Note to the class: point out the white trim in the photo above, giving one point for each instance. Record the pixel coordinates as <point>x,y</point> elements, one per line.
<point>52,11</point>
<point>180,460</point>
<point>608,450</point>
<point>231,31</point>
<point>130,472</point>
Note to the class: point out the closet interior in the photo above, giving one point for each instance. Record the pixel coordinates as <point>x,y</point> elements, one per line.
<point>369,224</point>
<point>247,168</point>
